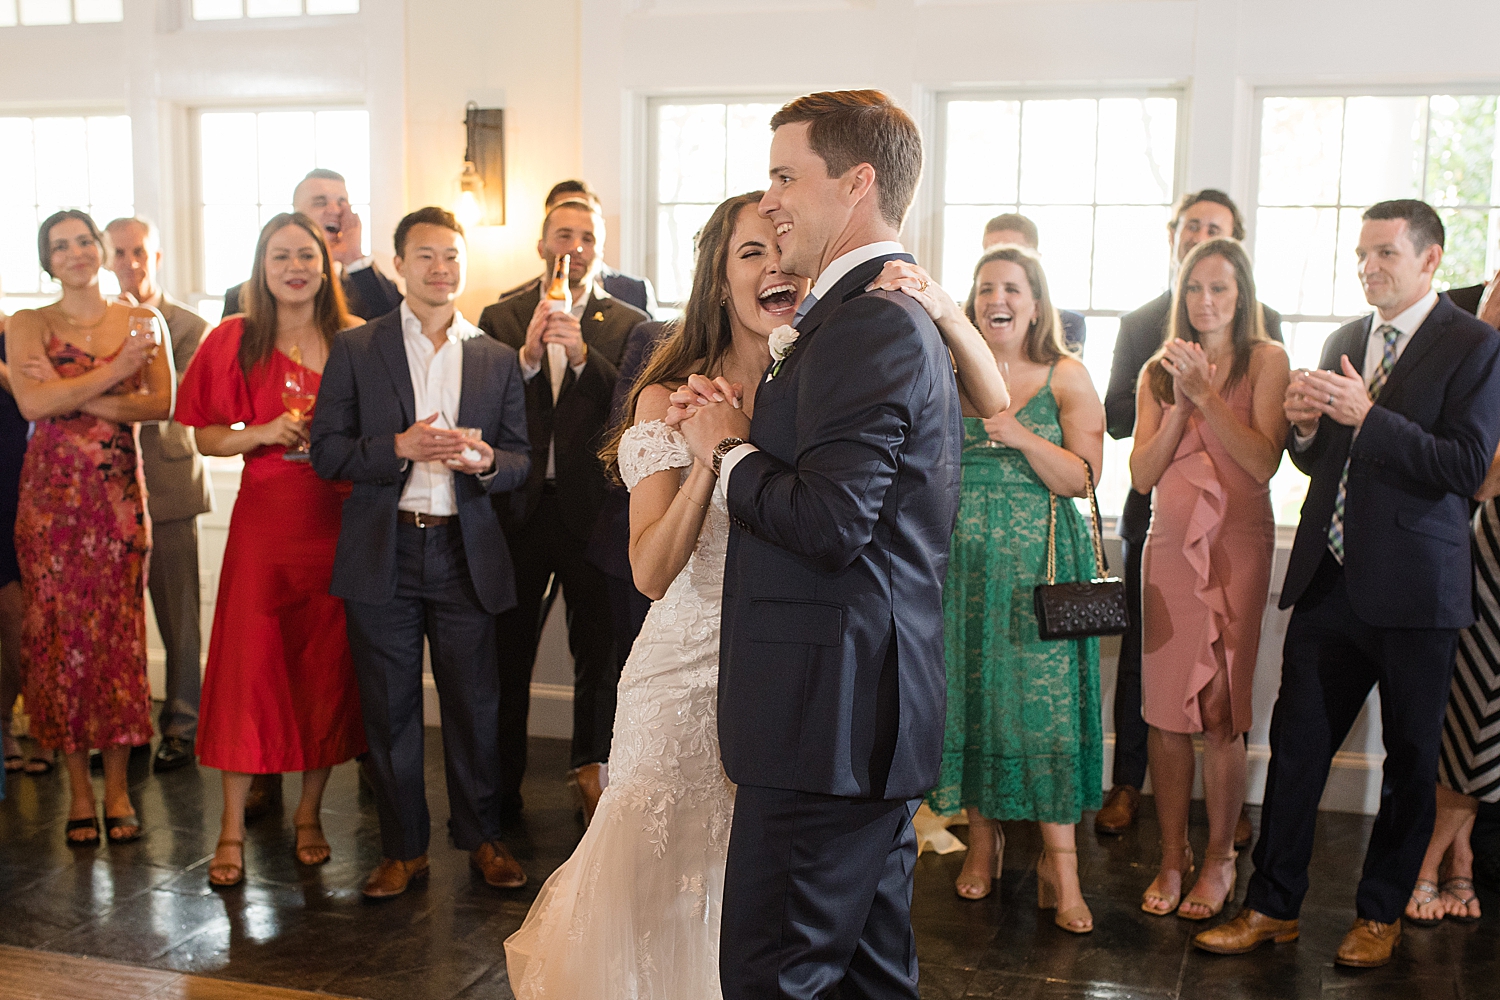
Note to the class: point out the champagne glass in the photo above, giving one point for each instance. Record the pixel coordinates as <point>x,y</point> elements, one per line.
<point>299,403</point>
<point>149,327</point>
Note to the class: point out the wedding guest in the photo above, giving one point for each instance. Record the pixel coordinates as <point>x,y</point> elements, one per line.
<point>427,418</point>
<point>1197,216</point>
<point>1468,773</point>
<point>13,431</point>
<point>82,533</point>
<point>323,197</point>
<point>1024,736</point>
<point>177,489</point>
<point>625,287</point>
<point>553,517</point>
<point>1018,230</point>
<point>1209,429</point>
<point>1380,578</point>
<point>279,692</point>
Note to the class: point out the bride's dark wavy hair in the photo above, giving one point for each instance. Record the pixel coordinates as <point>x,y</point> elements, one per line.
<point>701,338</point>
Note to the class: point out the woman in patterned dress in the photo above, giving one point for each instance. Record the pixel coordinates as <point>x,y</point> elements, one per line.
<point>82,534</point>
<point>1024,736</point>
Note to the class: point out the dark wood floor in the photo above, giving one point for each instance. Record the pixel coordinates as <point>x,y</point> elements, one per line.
<point>148,904</point>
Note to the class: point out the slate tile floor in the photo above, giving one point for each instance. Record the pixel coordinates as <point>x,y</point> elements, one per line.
<point>149,904</point>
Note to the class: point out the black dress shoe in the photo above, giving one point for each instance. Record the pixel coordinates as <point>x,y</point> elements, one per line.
<point>172,753</point>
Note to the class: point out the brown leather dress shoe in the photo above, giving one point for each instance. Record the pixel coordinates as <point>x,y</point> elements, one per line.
<point>1369,944</point>
<point>1246,932</point>
<point>1119,810</point>
<point>391,877</point>
<point>1243,831</point>
<point>588,787</point>
<point>498,866</point>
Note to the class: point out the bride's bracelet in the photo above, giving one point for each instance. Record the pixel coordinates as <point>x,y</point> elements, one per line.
<point>695,503</point>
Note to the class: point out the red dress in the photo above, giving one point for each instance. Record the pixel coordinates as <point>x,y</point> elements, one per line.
<point>82,536</point>
<point>279,691</point>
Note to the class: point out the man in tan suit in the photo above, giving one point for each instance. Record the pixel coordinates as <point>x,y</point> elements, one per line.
<point>178,490</point>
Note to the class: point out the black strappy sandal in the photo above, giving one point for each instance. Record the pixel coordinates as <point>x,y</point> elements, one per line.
<point>113,823</point>
<point>91,823</point>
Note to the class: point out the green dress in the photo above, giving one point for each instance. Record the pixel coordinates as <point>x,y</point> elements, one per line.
<point>1024,738</point>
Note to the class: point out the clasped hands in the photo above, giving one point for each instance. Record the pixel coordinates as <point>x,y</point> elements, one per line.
<point>1313,394</point>
<point>550,326</point>
<point>422,442</point>
<point>705,412</point>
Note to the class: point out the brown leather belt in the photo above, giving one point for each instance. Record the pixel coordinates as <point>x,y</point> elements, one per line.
<point>422,520</point>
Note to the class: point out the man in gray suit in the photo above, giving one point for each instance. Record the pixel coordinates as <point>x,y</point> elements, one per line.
<point>178,490</point>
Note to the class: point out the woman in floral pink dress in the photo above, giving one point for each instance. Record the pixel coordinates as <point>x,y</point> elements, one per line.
<point>82,534</point>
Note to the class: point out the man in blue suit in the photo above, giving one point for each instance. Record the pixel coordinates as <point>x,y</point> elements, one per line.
<point>832,688</point>
<point>1397,429</point>
<point>420,552</point>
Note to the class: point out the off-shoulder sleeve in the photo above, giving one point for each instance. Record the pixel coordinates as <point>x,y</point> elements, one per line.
<point>214,391</point>
<point>648,448</point>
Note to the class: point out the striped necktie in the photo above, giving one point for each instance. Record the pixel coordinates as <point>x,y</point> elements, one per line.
<point>1387,362</point>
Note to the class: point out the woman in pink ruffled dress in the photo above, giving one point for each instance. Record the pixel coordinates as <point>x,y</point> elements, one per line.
<point>1209,432</point>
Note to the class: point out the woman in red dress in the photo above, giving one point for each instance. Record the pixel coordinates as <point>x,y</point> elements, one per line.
<point>279,692</point>
<point>81,528</point>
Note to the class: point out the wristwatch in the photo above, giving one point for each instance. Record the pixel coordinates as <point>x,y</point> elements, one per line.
<point>723,448</point>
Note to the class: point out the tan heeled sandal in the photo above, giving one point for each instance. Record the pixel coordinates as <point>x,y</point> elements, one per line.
<point>316,853</point>
<point>970,886</point>
<point>1213,908</point>
<point>222,874</point>
<point>1048,893</point>
<point>1169,902</point>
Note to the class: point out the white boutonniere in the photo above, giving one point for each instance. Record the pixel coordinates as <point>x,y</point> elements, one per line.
<point>783,340</point>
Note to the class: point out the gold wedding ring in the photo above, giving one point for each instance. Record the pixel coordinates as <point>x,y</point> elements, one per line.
<point>923,286</point>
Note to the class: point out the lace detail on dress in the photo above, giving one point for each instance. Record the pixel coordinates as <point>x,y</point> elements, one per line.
<point>650,447</point>
<point>634,913</point>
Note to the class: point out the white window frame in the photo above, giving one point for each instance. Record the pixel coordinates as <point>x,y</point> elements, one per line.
<point>72,21</point>
<point>245,22</point>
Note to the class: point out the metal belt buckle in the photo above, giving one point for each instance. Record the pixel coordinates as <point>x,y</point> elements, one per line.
<point>421,519</point>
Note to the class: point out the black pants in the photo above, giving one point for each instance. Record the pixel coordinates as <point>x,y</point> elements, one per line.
<point>1130,728</point>
<point>548,559</point>
<point>628,607</point>
<point>434,598</point>
<point>1330,661</point>
<point>817,898</point>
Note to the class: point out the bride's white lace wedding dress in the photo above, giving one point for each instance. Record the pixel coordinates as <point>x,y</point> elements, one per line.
<point>634,913</point>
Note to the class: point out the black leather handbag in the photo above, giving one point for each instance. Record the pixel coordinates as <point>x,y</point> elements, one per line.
<point>1089,607</point>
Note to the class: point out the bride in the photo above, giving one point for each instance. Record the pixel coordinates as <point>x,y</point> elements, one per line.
<point>634,913</point>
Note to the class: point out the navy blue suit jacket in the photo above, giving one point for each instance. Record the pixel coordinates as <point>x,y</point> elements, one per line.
<point>831,673</point>
<point>1423,450</point>
<point>364,401</point>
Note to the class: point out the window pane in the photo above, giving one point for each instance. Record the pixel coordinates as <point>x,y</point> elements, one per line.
<point>286,151</point>
<point>46,12</point>
<point>1299,150</point>
<point>690,153</point>
<point>273,8</point>
<point>227,141</point>
<point>747,147</point>
<point>1288,490</point>
<point>343,144</point>
<point>1304,342</point>
<point>1130,256</point>
<point>676,225</point>
<point>17,174</point>
<point>1294,255</point>
<point>1137,146</point>
<point>1348,295</point>
<point>1461,150</point>
<point>217,10</point>
<point>95,11</point>
<point>1469,239</point>
<point>983,145</point>
<point>1057,151</point>
<point>19,272</point>
<point>62,160</point>
<point>7,13</point>
<point>333,6</point>
<point>1382,148</point>
<point>111,172</point>
<point>1065,233</point>
<point>963,241</point>
<point>211,309</point>
<point>229,233</point>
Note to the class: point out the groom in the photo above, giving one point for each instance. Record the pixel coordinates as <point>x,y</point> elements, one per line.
<point>831,678</point>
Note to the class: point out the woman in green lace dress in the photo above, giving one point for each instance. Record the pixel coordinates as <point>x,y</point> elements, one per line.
<point>1024,738</point>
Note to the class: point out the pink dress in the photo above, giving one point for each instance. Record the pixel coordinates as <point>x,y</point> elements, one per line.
<point>1205,574</point>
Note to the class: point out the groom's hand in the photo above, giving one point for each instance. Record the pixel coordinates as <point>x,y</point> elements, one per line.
<point>711,424</point>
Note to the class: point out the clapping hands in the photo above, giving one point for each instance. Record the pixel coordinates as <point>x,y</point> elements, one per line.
<point>1192,375</point>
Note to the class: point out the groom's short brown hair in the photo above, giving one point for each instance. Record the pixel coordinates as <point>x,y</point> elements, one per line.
<point>850,127</point>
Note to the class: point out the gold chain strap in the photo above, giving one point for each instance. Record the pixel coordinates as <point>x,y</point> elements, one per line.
<point>1094,533</point>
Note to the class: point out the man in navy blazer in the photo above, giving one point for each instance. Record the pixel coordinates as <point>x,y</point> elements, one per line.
<point>420,551</point>
<point>1397,429</point>
<point>832,688</point>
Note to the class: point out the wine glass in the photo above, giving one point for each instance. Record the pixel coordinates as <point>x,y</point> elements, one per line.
<point>146,326</point>
<point>299,403</point>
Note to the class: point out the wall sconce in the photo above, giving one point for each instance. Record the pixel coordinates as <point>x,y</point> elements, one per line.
<point>481,188</point>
